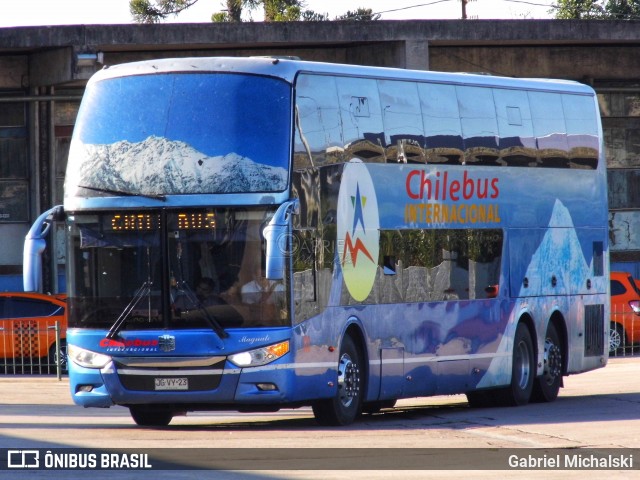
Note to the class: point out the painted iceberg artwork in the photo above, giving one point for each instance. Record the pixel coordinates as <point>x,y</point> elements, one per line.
<point>161,166</point>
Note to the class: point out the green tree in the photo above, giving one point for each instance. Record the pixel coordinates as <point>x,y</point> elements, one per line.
<point>623,9</point>
<point>154,11</point>
<point>282,10</point>
<point>580,9</point>
<point>360,14</point>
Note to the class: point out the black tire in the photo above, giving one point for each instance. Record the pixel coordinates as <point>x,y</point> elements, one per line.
<point>146,417</point>
<point>617,338</point>
<point>547,386</point>
<point>522,370</point>
<point>52,359</point>
<point>345,406</point>
<point>375,407</point>
<point>481,398</point>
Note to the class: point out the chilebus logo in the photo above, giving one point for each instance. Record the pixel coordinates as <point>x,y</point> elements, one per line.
<point>358,229</point>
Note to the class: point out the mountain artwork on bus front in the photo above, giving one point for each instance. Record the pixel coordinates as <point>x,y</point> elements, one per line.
<point>169,133</point>
<point>161,166</point>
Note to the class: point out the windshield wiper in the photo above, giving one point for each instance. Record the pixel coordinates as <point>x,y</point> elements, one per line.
<point>143,291</point>
<point>193,299</point>
<point>154,196</point>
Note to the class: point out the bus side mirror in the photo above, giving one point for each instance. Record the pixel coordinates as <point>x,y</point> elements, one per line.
<point>34,245</point>
<point>276,235</point>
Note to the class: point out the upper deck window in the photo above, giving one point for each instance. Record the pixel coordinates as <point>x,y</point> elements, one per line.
<point>182,134</point>
<point>401,121</point>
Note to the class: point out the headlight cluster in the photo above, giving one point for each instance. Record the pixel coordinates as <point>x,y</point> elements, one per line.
<point>260,356</point>
<point>87,358</point>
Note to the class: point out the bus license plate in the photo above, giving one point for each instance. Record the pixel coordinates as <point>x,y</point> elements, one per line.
<point>164,383</point>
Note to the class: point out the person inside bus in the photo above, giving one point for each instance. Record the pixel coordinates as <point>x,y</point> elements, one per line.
<point>206,292</point>
<point>261,290</point>
<point>205,296</point>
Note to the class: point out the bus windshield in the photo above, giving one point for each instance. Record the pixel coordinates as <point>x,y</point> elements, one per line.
<point>194,268</point>
<point>181,134</point>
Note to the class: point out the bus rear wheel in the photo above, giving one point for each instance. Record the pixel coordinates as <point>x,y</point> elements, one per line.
<point>146,417</point>
<point>522,370</point>
<point>547,386</point>
<point>345,406</point>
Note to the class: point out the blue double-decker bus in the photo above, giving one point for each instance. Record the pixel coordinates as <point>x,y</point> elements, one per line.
<point>265,233</point>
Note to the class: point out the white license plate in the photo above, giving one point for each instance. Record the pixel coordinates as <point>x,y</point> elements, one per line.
<point>165,383</point>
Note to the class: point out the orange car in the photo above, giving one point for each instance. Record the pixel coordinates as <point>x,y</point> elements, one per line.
<point>625,312</point>
<point>27,327</point>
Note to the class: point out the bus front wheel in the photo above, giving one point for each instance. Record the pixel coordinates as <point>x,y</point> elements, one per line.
<point>147,417</point>
<point>343,408</point>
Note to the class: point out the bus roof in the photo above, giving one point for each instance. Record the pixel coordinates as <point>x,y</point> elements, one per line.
<point>287,68</point>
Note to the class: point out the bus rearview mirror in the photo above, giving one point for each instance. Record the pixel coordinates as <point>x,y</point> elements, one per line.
<point>34,244</point>
<point>276,235</point>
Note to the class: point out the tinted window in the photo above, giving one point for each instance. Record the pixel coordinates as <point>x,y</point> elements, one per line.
<point>517,142</point>
<point>479,124</point>
<point>318,121</point>
<point>27,307</point>
<point>402,119</point>
<point>441,118</point>
<point>361,118</point>
<point>582,130</point>
<point>204,133</point>
<point>617,288</point>
<point>417,122</point>
<point>436,265</point>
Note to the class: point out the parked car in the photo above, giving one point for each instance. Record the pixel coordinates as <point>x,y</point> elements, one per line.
<point>27,328</point>
<point>624,328</point>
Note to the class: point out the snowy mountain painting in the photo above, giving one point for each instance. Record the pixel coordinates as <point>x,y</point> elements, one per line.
<point>161,166</point>
<point>559,254</point>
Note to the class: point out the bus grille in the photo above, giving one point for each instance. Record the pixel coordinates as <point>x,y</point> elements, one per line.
<point>191,379</point>
<point>594,329</point>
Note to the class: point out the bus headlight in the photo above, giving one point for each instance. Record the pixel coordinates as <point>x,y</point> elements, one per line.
<point>87,358</point>
<point>260,356</point>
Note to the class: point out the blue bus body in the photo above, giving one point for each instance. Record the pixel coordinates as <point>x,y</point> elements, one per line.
<point>421,233</point>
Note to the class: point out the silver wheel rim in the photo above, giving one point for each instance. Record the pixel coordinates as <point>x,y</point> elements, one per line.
<point>614,339</point>
<point>522,367</point>
<point>552,361</point>
<point>348,380</point>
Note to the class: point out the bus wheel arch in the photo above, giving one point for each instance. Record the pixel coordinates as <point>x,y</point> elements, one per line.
<point>346,404</point>
<point>547,386</point>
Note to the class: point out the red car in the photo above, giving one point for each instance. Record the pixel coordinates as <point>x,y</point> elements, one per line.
<point>625,312</point>
<point>27,328</point>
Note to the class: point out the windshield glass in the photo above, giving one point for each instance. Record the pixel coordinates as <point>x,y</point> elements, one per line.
<point>192,268</point>
<point>181,134</point>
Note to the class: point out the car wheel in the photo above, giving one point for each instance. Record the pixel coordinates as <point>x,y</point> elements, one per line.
<point>616,338</point>
<point>53,356</point>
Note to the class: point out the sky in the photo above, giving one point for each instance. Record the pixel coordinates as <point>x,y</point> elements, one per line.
<point>16,13</point>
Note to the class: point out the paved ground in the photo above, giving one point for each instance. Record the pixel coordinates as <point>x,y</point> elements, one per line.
<point>596,410</point>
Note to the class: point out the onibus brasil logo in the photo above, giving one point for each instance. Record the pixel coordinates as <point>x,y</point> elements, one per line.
<point>358,229</point>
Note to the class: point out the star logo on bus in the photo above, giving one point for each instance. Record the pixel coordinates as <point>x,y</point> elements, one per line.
<point>352,248</point>
<point>358,225</point>
<point>358,203</point>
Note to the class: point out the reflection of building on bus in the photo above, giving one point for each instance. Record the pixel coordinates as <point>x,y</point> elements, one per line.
<point>423,233</point>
